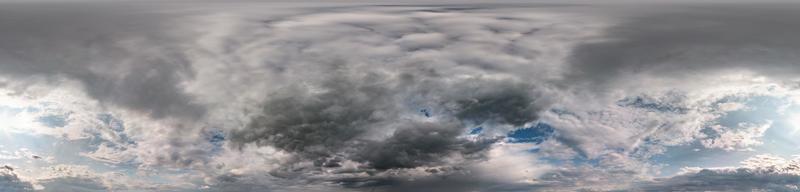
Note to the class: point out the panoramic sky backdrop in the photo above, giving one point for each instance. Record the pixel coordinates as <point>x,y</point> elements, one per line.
<point>254,95</point>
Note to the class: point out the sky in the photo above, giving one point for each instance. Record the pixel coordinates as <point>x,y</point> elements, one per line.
<point>386,96</point>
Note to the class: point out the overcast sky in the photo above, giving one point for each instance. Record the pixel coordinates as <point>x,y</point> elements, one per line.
<point>385,96</point>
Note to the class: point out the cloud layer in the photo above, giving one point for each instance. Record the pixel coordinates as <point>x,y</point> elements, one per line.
<point>249,96</point>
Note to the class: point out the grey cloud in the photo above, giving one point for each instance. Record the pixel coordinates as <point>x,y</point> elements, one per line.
<point>729,180</point>
<point>299,121</point>
<point>9,181</point>
<point>502,103</point>
<point>760,173</point>
<point>337,121</point>
<point>693,39</point>
<point>455,182</point>
<point>420,144</point>
<point>261,182</point>
<point>341,89</point>
<point>336,104</point>
<point>567,178</point>
<point>120,56</point>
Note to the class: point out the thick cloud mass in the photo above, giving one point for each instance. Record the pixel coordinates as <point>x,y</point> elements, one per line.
<point>341,118</point>
<point>120,59</point>
<point>361,96</point>
<point>300,123</point>
<point>391,108</point>
<point>695,40</point>
<point>419,144</point>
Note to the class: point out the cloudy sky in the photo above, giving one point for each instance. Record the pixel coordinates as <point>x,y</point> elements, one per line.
<point>385,96</point>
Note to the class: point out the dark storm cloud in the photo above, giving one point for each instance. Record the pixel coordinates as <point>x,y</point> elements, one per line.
<point>500,103</point>
<point>121,57</point>
<point>420,144</point>
<point>299,121</point>
<point>334,123</point>
<point>338,105</point>
<point>693,39</point>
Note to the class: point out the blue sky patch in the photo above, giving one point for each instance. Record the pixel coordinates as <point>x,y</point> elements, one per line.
<point>113,123</point>
<point>425,112</point>
<point>53,121</point>
<point>475,131</point>
<point>217,138</point>
<point>535,134</point>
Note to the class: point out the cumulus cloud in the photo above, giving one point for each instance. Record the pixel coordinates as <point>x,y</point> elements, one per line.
<point>746,136</point>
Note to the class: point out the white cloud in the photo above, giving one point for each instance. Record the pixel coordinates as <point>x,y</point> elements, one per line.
<point>745,136</point>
